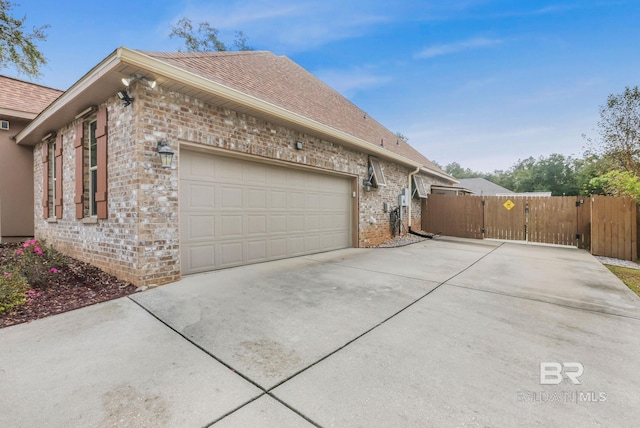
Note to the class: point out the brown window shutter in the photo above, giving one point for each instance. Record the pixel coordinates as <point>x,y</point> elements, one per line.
<point>78,144</point>
<point>45,180</point>
<point>101,137</point>
<point>59,175</point>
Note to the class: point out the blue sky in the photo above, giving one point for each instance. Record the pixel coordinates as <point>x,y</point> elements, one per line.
<point>479,82</point>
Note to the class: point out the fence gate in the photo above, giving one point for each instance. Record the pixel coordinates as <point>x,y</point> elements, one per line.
<point>505,218</point>
<point>605,225</point>
<point>614,227</point>
<point>553,220</point>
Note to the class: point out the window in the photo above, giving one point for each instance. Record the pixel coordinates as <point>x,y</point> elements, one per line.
<point>420,188</point>
<point>51,166</point>
<point>92,178</point>
<point>376,172</point>
<point>90,145</point>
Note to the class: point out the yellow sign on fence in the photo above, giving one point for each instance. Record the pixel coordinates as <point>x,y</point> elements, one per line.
<point>509,204</point>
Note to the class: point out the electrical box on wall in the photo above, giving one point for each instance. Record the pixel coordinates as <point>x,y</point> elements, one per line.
<point>385,206</point>
<point>4,125</point>
<point>403,198</point>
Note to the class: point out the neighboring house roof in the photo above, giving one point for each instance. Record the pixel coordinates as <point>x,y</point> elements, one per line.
<point>529,194</point>
<point>22,99</point>
<point>284,83</point>
<point>481,186</point>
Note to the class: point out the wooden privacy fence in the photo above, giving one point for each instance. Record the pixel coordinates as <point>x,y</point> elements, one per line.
<point>605,225</point>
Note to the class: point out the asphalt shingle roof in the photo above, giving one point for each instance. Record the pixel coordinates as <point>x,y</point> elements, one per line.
<point>481,186</point>
<point>22,96</point>
<point>282,82</point>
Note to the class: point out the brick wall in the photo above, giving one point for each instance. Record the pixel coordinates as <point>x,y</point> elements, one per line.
<point>139,242</point>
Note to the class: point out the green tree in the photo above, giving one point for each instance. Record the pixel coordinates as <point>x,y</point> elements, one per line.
<point>556,174</point>
<point>17,46</point>
<point>618,183</point>
<point>456,170</point>
<point>205,38</point>
<point>588,167</point>
<point>619,129</point>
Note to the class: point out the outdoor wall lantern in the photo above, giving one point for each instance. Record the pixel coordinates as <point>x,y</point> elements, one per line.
<point>166,154</point>
<point>126,99</point>
<point>366,182</point>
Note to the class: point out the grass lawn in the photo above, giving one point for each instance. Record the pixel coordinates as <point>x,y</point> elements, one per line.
<point>631,277</point>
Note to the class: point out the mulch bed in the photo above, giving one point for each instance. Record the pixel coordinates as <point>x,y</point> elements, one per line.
<point>76,284</point>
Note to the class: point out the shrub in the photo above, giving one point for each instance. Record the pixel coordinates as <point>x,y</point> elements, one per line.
<point>37,263</point>
<point>13,289</point>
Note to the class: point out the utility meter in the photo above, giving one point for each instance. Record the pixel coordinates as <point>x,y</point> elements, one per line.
<point>403,199</point>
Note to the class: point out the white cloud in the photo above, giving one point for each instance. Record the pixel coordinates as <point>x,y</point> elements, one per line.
<point>349,82</point>
<point>288,25</point>
<point>464,45</point>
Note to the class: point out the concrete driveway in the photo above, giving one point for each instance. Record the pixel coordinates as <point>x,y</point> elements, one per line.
<point>441,333</point>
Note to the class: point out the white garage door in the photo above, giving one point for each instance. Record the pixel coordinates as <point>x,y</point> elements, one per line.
<point>235,212</point>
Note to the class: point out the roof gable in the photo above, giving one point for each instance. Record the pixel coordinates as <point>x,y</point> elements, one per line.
<point>282,82</point>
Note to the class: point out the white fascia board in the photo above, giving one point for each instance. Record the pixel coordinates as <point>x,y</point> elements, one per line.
<point>80,86</point>
<point>439,175</point>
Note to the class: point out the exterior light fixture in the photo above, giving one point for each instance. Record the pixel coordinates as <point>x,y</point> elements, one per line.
<point>166,154</point>
<point>366,182</point>
<point>298,145</point>
<point>127,81</point>
<point>126,99</point>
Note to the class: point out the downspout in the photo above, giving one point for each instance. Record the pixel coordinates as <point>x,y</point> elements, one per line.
<point>410,201</point>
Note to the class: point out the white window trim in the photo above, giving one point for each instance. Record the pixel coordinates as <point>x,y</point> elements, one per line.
<point>377,173</point>
<point>92,170</point>
<point>52,173</point>
<point>421,189</point>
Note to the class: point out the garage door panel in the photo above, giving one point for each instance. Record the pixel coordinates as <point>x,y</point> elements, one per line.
<point>255,173</point>
<point>257,199</point>
<point>226,170</point>
<point>278,223</point>
<point>296,245</point>
<point>312,243</point>
<point>199,168</point>
<point>257,224</point>
<point>295,223</point>
<point>199,258</point>
<point>234,212</point>
<point>312,223</point>
<point>200,196</point>
<point>278,247</point>
<point>198,227</point>
<point>232,198</point>
<point>278,178</point>
<point>278,199</point>
<point>257,251</point>
<point>230,253</point>
<point>296,200</point>
<point>231,226</point>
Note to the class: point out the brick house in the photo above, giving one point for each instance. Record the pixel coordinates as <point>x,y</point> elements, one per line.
<point>20,102</point>
<point>269,162</point>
